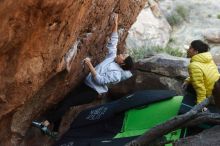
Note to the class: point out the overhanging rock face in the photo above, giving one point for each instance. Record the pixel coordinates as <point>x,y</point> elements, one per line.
<point>35,34</point>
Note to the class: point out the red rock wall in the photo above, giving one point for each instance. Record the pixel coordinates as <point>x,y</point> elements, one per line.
<point>34,35</point>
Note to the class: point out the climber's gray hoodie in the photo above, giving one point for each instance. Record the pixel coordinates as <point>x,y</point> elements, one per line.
<point>108,71</point>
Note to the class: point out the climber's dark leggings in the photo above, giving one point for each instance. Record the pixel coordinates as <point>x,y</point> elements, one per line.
<point>82,95</point>
<point>189,100</point>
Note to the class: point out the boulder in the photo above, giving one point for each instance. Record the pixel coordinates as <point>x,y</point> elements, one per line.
<point>148,31</point>
<point>206,138</point>
<point>166,65</point>
<point>212,35</point>
<point>162,71</point>
<point>35,35</point>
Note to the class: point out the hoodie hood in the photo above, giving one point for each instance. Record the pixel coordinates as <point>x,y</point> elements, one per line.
<point>202,57</point>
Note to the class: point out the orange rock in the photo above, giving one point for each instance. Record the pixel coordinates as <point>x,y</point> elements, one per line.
<point>35,35</point>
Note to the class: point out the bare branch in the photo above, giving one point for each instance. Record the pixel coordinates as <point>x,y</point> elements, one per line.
<point>203,118</point>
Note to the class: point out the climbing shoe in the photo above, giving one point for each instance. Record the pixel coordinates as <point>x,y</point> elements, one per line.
<point>45,129</point>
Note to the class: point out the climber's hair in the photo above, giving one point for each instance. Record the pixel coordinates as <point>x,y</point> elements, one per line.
<point>200,46</point>
<point>128,63</point>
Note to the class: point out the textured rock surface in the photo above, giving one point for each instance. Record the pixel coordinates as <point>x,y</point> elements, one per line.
<point>35,34</point>
<point>208,137</point>
<point>212,35</point>
<point>162,71</point>
<point>148,30</point>
<point>165,65</point>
